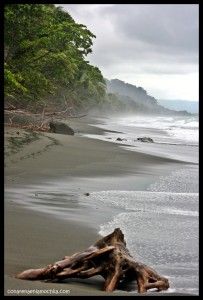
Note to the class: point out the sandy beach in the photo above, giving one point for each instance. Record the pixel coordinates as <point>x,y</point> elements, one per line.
<point>36,234</point>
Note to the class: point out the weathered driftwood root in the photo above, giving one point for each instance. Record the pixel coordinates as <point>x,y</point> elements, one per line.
<point>109,258</point>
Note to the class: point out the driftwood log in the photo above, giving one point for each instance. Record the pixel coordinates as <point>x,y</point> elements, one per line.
<point>109,258</point>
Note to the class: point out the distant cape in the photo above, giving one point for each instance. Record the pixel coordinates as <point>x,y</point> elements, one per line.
<point>138,98</point>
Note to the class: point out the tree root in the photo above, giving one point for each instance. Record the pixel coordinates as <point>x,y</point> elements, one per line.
<point>109,258</point>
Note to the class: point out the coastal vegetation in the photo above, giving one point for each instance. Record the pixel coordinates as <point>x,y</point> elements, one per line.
<point>45,59</point>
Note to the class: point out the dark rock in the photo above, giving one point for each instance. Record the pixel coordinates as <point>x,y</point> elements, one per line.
<point>120,139</point>
<point>87,194</point>
<point>59,127</point>
<point>145,139</point>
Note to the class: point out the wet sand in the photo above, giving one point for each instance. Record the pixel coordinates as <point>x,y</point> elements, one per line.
<point>33,238</point>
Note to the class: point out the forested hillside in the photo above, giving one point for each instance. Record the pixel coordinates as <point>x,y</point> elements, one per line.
<point>137,99</point>
<point>45,62</point>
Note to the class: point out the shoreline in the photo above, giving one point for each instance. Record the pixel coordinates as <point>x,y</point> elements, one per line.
<point>81,165</point>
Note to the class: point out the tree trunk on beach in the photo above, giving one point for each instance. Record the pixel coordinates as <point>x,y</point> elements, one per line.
<point>109,258</point>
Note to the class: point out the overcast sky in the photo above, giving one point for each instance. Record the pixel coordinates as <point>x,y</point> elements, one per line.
<point>154,46</point>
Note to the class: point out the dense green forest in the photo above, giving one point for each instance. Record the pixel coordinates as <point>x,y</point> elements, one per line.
<point>45,61</point>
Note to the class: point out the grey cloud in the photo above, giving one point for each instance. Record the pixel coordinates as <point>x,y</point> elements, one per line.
<point>169,29</point>
<point>167,26</point>
<point>141,39</point>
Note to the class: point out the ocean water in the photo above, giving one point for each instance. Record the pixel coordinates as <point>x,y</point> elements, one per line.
<point>160,227</point>
<point>182,130</point>
<point>175,137</point>
<point>178,129</point>
<point>160,223</point>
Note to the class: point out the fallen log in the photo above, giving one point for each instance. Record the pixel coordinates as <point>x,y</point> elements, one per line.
<point>109,258</point>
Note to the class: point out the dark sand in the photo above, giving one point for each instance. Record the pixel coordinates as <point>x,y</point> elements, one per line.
<point>34,239</point>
